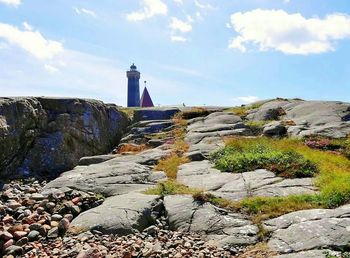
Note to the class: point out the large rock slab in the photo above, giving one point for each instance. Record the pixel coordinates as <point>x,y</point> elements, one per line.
<point>120,175</point>
<point>121,215</point>
<point>327,118</point>
<point>205,134</point>
<point>50,135</point>
<point>236,186</point>
<point>310,254</point>
<point>220,226</point>
<point>310,229</point>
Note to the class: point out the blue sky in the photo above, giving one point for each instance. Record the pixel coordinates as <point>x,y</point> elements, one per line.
<point>190,51</point>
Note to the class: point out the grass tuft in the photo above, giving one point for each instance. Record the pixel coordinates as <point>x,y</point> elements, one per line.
<point>171,164</point>
<point>170,187</point>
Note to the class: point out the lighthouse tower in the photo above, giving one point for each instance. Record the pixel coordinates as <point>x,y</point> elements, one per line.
<point>133,86</point>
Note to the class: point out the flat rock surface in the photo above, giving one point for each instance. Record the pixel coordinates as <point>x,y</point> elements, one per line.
<point>119,175</point>
<point>309,254</point>
<point>310,229</point>
<point>236,186</point>
<point>121,215</point>
<point>221,227</point>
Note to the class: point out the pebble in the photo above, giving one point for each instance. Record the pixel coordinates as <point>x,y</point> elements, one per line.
<point>33,235</point>
<point>19,234</point>
<point>56,217</point>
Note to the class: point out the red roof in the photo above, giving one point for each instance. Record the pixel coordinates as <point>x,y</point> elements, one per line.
<point>146,100</point>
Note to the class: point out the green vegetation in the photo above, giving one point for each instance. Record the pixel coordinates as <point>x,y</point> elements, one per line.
<point>250,154</point>
<point>170,187</point>
<point>343,255</point>
<point>257,126</point>
<point>333,181</point>
<point>171,163</point>
<point>128,111</point>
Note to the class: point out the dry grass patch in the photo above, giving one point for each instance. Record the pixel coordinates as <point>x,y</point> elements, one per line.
<point>195,112</point>
<point>170,165</point>
<point>131,148</point>
<point>260,250</point>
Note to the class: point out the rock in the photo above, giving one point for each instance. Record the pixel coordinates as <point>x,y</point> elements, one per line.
<point>86,161</point>
<point>4,235</point>
<point>310,254</point>
<point>310,229</point>
<point>43,133</point>
<point>236,186</point>
<point>53,232</point>
<point>37,197</point>
<point>120,175</point>
<point>122,214</point>
<point>13,249</point>
<point>56,217</point>
<point>154,114</point>
<point>90,253</point>
<point>8,243</point>
<point>33,235</point>
<point>23,241</point>
<point>220,226</point>
<point>63,226</point>
<point>274,129</point>
<point>19,234</point>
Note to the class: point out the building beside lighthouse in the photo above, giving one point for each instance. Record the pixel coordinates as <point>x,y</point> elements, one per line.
<point>134,90</point>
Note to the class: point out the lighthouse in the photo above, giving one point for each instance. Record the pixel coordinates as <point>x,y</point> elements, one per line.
<point>133,86</point>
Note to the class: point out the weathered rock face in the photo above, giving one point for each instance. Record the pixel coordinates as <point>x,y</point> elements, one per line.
<point>327,118</point>
<point>310,229</point>
<point>50,135</point>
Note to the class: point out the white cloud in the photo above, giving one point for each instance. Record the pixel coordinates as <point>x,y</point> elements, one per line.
<point>176,38</point>
<point>27,26</point>
<point>179,25</point>
<point>150,9</point>
<point>31,41</point>
<point>286,1</point>
<point>206,6</point>
<point>288,33</point>
<point>50,68</point>
<point>14,3</point>
<point>246,99</point>
<point>85,11</point>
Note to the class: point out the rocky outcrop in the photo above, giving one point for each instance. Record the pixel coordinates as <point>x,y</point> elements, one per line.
<point>222,227</point>
<point>302,118</point>
<point>50,135</point>
<point>310,229</point>
<point>236,186</point>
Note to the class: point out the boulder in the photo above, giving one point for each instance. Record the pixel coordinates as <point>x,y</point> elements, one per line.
<point>220,226</point>
<point>50,135</point>
<point>121,215</point>
<point>274,129</point>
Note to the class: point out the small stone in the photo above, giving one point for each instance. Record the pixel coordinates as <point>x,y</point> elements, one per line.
<point>69,217</point>
<point>40,210</point>
<point>7,219</point>
<point>5,235</point>
<point>14,228</point>
<point>19,234</point>
<point>152,230</point>
<point>54,223</point>
<point>8,243</point>
<point>13,249</point>
<point>56,217</point>
<point>37,197</point>
<point>33,235</point>
<point>178,255</point>
<point>14,205</point>
<point>76,200</point>
<point>23,241</point>
<point>53,232</point>
<point>75,209</point>
<point>188,245</point>
<point>50,205</point>
<point>63,225</point>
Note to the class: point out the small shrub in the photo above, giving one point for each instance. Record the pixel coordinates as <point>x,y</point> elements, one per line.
<point>261,156</point>
<point>257,126</point>
<point>170,165</point>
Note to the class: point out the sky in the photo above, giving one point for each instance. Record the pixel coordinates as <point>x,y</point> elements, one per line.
<point>196,52</point>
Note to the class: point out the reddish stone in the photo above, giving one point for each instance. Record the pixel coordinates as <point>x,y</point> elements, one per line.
<point>5,235</point>
<point>19,234</point>
<point>7,219</point>
<point>9,243</point>
<point>76,200</point>
<point>18,227</point>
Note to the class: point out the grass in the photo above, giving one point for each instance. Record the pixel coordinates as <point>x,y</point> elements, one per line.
<point>170,187</point>
<point>257,126</point>
<point>128,111</point>
<point>243,111</point>
<point>260,250</point>
<point>194,112</point>
<point>251,154</point>
<point>170,165</point>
